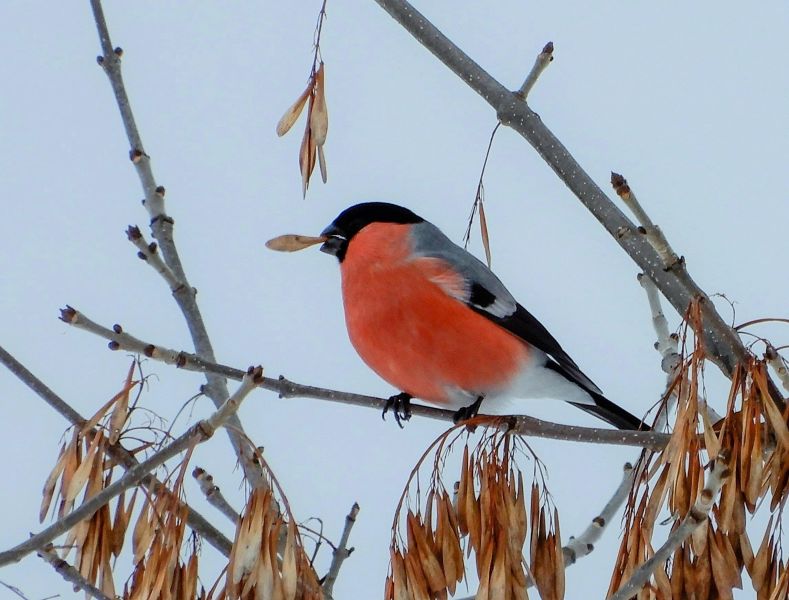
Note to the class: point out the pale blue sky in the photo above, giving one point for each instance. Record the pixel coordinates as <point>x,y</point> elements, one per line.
<point>687,100</point>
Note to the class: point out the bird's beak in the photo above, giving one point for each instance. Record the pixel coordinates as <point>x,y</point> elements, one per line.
<point>334,240</point>
<point>332,245</point>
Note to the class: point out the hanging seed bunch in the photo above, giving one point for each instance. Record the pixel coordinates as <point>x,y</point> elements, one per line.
<point>753,440</point>
<point>268,559</point>
<point>82,471</point>
<point>317,115</point>
<point>157,540</point>
<point>487,516</point>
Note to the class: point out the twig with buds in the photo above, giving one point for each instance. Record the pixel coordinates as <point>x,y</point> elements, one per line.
<point>582,545</point>
<point>340,553</point>
<point>544,58</point>
<point>523,424</point>
<point>162,228</point>
<point>697,516</point>
<point>148,253</point>
<point>213,494</point>
<point>652,232</point>
<point>778,365</point>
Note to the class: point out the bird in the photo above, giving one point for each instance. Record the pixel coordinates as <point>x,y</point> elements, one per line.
<point>436,323</point>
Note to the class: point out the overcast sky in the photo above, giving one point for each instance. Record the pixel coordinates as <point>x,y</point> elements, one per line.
<point>687,100</point>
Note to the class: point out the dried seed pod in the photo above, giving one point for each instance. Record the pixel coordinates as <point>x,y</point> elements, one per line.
<point>291,242</point>
<point>49,485</point>
<point>292,114</point>
<point>306,159</point>
<point>319,114</point>
<point>427,558</point>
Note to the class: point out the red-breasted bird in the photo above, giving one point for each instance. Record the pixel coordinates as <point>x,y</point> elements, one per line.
<point>436,323</point>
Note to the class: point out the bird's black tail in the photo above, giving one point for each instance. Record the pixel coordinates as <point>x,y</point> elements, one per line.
<point>611,413</point>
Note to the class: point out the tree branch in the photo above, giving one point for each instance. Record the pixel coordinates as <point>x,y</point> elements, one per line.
<point>214,495</point>
<point>162,228</point>
<point>541,63</point>
<point>196,434</point>
<point>70,574</point>
<point>722,344</point>
<point>696,517</point>
<point>583,545</point>
<point>522,424</point>
<point>124,458</point>
<point>340,553</point>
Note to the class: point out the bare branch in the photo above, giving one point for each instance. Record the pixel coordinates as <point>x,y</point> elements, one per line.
<point>668,347</point>
<point>541,63</point>
<point>522,424</point>
<point>70,574</point>
<point>778,365</point>
<point>722,344</point>
<point>653,233</point>
<point>162,227</point>
<point>196,434</point>
<point>214,495</point>
<point>578,547</point>
<point>696,517</point>
<point>195,520</point>
<point>148,253</point>
<point>340,553</point>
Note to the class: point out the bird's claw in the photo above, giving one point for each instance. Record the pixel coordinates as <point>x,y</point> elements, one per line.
<point>467,412</point>
<point>400,404</point>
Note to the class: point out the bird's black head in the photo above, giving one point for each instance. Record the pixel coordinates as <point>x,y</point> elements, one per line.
<point>352,220</point>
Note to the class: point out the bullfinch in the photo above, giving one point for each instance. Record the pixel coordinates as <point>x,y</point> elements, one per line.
<point>432,320</point>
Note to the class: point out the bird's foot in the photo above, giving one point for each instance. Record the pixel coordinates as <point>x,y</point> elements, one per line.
<point>468,412</point>
<point>400,405</point>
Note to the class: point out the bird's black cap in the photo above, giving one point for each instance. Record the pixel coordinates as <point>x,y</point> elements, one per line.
<point>352,220</point>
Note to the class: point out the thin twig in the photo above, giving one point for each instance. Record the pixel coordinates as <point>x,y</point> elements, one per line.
<point>123,457</point>
<point>341,552</point>
<point>522,424</point>
<point>148,253</point>
<point>479,198</point>
<point>14,589</point>
<point>162,228</point>
<point>722,344</point>
<point>198,433</point>
<point>778,365</point>
<point>696,517</point>
<point>582,545</point>
<point>668,347</point>
<point>544,58</point>
<point>214,495</point>
<point>70,574</point>
<point>653,233</point>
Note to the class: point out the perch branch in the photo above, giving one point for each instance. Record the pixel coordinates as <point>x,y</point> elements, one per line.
<point>340,553</point>
<point>123,457</point>
<point>721,342</point>
<point>522,424</point>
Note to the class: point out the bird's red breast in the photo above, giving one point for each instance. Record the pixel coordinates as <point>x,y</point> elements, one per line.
<point>410,331</point>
